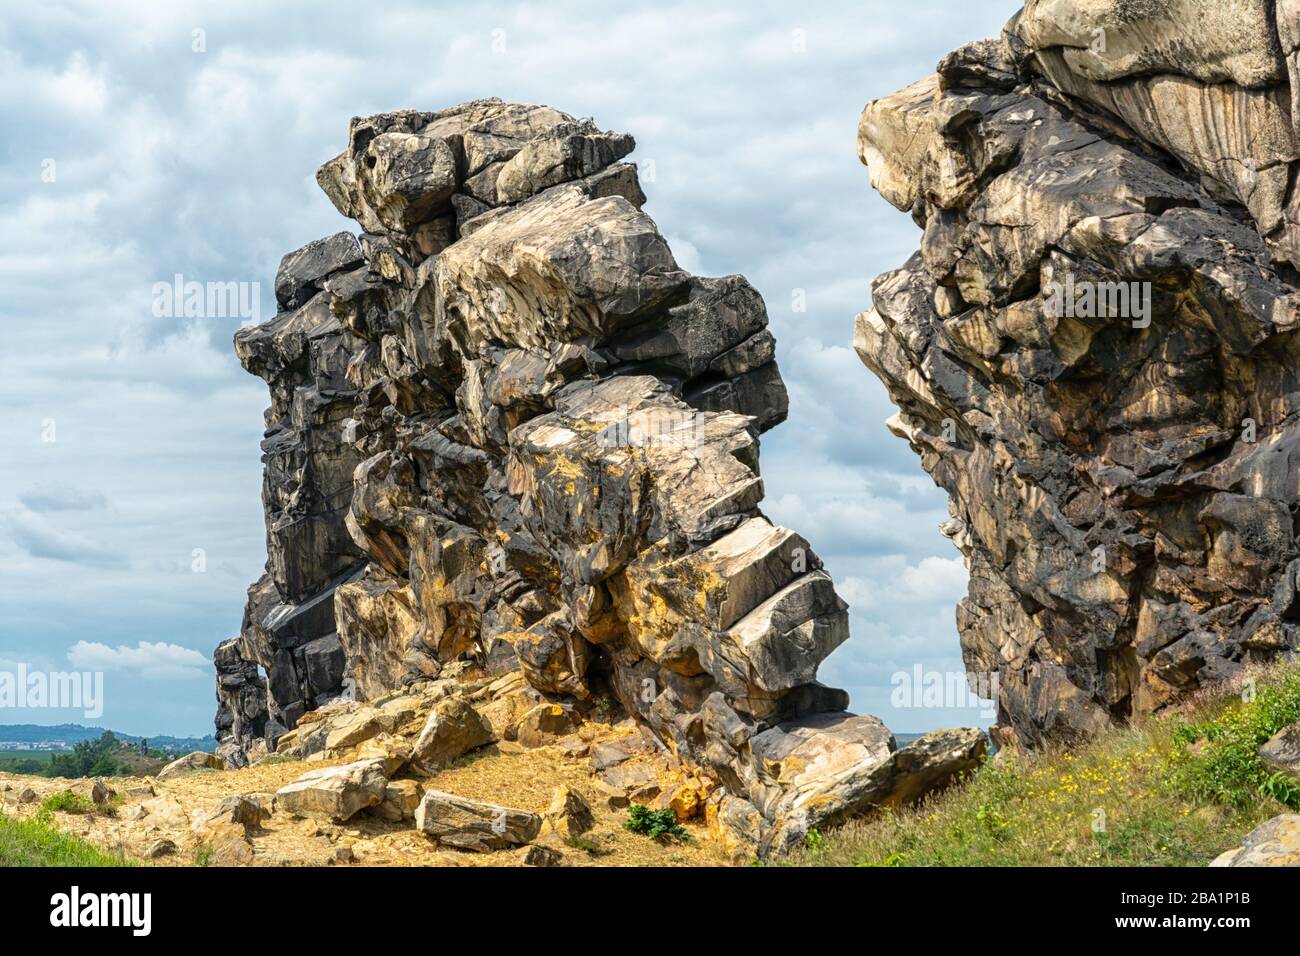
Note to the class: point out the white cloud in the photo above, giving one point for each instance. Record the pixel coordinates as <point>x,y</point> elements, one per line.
<point>56,496</point>
<point>40,538</point>
<point>936,579</point>
<point>151,661</point>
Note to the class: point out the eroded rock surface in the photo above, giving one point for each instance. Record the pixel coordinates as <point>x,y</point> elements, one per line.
<point>509,435</point>
<point>1094,350</point>
<point>1273,843</point>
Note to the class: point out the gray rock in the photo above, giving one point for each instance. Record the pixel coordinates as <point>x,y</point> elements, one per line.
<point>159,848</point>
<point>198,760</point>
<point>473,825</point>
<point>1117,475</point>
<point>538,855</point>
<point>302,273</point>
<point>1274,843</point>
<point>244,812</point>
<point>1282,750</point>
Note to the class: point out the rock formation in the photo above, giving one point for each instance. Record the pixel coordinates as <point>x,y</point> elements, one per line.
<point>1094,350</point>
<point>508,434</point>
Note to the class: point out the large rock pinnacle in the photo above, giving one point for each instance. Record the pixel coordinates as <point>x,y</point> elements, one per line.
<point>1094,350</point>
<point>508,432</point>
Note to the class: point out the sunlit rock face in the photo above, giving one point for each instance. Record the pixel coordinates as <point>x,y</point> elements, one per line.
<point>1094,350</point>
<point>508,431</point>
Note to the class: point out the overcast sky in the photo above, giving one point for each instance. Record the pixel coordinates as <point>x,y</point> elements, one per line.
<point>129,157</point>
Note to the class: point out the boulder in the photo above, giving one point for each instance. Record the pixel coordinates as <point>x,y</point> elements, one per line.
<point>401,797</point>
<point>158,849</point>
<point>1282,750</point>
<point>833,767</point>
<point>1274,843</point>
<point>189,763</point>
<point>473,825</point>
<point>241,812</point>
<point>95,791</point>
<point>569,813</point>
<point>453,729</point>
<point>167,812</point>
<point>545,724</point>
<point>335,793</point>
<point>933,762</point>
<point>228,845</point>
<point>538,855</point>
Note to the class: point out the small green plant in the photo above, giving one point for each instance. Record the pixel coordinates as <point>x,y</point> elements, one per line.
<point>203,855</point>
<point>813,841</point>
<point>1283,788</point>
<point>991,819</point>
<point>656,824</point>
<point>585,844</point>
<point>65,801</point>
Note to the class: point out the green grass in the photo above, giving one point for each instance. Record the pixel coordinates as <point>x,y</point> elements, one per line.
<point>65,801</point>
<point>36,842</point>
<point>1172,791</point>
<point>42,756</point>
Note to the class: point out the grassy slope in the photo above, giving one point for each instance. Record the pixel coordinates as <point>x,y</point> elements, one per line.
<point>1174,791</point>
<point>33,842</point>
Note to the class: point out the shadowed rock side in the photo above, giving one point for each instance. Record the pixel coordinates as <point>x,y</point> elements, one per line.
<point>1122,481</point>
<point>508,433</point>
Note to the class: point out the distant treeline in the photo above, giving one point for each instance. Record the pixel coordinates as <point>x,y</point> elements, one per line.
<point>105,756</point>
<point>76,733</point>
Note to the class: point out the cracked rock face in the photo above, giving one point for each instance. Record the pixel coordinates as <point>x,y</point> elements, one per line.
<point>1094,350</point>
<point>507,432</point>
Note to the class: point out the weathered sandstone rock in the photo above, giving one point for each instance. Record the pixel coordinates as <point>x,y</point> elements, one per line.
<point>453,729</point>
<point>1275,843</point>
<point>335,793</point>
<point>508,434</point>
<point>472,824</point>
<point>1092,352</point>
<point>189,763</point>
<point>569,814</point>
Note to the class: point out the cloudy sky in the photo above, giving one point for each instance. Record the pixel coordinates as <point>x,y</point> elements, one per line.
<point>130,519</point>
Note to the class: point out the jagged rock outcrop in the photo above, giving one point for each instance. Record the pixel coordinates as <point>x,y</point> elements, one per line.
<point>1094,350</point>
<point>508,433</point>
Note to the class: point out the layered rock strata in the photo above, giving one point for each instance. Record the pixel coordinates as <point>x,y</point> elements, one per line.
<point>1094,350</point>
<point>509,433</point>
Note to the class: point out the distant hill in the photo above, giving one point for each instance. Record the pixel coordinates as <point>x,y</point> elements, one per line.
<point>70,734</point>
